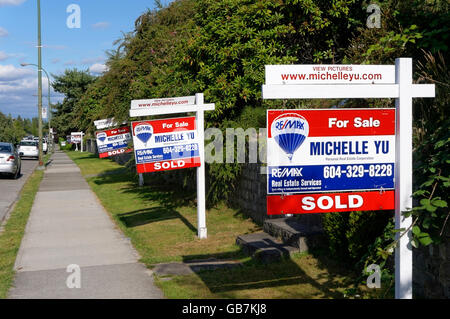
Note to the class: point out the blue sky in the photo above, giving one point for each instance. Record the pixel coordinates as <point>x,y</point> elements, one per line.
<point>102,22</point>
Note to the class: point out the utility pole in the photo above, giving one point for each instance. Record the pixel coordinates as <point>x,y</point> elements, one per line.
<point>39,46</point>
<point>49,103</point>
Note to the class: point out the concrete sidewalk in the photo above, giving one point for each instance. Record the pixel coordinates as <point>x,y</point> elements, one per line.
<point>69,226</point>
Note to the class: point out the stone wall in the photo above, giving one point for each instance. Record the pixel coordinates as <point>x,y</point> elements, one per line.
<point>431,270</point>
<point>250,197</point>
<point>91,146</point>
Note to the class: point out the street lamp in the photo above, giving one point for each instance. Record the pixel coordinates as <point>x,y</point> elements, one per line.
<point>48,96</point>
<point>39,65</point>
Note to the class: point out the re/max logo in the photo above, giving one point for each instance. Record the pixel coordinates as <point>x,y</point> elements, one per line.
<point>287,172</point>
<point>281,125</point>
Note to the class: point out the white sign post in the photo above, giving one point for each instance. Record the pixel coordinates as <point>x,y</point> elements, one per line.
<point>183,105</point>
<point>403,90</point>
<point>77,138</point>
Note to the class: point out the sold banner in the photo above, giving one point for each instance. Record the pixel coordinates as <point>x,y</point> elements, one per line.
<point>332,150</point>
<point>166,144</point>
<point>330,202</point>
<point>113,142</point>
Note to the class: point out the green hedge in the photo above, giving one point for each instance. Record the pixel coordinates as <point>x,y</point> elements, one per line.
<point>351,234</point>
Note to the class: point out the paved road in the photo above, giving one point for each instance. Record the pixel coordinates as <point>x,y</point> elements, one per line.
<point>67,226</point>
<point>10,188</point>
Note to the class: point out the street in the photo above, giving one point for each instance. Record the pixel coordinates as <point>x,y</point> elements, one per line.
<point>10,188</point>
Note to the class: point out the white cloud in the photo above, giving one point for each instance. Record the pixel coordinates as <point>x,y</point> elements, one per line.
<point>101,25</point>
<point>98,68</point>
<point>10,72</point>
<point>18,91</point>
<point>3,32</point>
<point>11,2</point>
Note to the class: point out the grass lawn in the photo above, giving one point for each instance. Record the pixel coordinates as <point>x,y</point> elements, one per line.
<point>161,224</point>
<point>12,234</point>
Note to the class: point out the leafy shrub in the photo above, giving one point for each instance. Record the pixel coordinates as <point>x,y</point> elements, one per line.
<point>351,234</point>
<point>334,225</point>
<point>67,147</point>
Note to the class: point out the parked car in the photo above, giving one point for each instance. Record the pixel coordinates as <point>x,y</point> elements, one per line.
<point>10,162</point>
<point>44,146</point>
<point>28,149</point>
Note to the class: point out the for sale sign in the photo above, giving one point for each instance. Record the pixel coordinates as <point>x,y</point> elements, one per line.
<point>166,144</point>
<point>76,137</point>
<point>332,150</point>
<point>113,142</point>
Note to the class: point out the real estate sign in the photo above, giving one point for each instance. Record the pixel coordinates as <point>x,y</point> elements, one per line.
<point>330,150</point>
<point>113,142</point>
<point>329,73</point>
<point>76,137</point>
<point>166,144</point>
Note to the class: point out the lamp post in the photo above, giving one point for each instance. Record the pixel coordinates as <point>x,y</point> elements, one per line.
<point>39,46</point>
<point>49,113</point>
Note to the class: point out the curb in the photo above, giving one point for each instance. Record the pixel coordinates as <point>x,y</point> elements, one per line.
<point>10,208</point>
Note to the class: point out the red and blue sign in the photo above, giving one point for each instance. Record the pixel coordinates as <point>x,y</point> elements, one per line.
<point>332,150</point>
<point>113,142</point>
<point>166,144</point>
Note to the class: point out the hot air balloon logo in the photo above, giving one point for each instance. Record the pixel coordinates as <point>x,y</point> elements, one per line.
<point>101,136</point>
<point>290,131</point>
<point>143,132</point>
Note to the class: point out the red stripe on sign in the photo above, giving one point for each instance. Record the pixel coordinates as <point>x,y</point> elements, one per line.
<point>342,122</point>
<point>115,152</point>
<point>168,165</point>
<point>170,125</point>
<point>116,131</point>
<point>330,202</point>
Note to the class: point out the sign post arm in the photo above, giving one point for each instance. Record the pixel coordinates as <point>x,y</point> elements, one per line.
<point>201,192</point>
<point>403,177</point>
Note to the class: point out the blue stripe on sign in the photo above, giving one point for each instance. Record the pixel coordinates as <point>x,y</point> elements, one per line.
<point>111,147</point>
<point>317,178</point>
<point>166,153</point>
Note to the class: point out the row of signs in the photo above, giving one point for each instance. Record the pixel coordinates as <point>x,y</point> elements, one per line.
<point>317,160</point>
<point>308,151</point>
<point>159,145</point>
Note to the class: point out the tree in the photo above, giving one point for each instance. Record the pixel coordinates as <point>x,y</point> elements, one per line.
<point>73,84</point>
